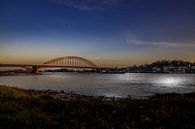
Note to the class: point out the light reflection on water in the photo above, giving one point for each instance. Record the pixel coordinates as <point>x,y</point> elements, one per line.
<point>137,85</point>
<point>172,81</point>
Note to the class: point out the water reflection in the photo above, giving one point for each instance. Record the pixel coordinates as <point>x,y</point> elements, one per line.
<point>137,85</point>
<point>171,81</point>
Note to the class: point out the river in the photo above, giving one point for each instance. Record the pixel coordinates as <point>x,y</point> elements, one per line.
<point>138,85</point>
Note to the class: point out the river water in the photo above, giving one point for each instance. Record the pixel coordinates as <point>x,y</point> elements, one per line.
<point>138,85</point>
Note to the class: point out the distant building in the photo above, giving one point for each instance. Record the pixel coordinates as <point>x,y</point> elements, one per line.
<point>156,69</point>
<point>173,69</point>
<point>192,69</point>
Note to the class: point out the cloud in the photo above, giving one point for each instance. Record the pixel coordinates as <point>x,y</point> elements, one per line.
<point>89,4</point>
<point>132,39</point>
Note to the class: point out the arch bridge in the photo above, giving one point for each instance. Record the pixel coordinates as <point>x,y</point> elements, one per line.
<point>61,62</point>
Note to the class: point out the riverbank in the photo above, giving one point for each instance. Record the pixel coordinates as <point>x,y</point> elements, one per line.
<point>30,109</point>
<point>17,73</point>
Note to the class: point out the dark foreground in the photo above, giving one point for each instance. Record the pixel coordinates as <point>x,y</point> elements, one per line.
<point>29,109</point>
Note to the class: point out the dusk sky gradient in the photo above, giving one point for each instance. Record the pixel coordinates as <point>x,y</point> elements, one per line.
<point>108,32</point>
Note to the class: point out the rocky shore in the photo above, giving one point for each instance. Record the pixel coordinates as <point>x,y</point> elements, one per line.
<point>31,109</point>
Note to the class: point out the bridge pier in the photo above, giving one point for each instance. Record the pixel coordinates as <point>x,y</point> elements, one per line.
<point>98,70</point>
<point>35,69</point>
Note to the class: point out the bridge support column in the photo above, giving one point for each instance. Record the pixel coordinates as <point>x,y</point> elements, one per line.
<point>98,70</point>
<point>35,69</point>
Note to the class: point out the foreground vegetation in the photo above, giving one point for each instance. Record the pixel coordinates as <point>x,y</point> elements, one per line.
<point>29,109</point>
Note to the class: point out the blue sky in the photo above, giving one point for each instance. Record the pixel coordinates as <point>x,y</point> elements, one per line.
<point>108,32</point>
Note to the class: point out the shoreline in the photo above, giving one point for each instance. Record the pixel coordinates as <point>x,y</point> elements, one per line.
<point>70,95</point>
<point>41,73</point>
<point>65,95</point>
<point>17,74</point>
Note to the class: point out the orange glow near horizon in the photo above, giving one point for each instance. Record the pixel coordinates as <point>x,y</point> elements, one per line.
<point>104,62</point>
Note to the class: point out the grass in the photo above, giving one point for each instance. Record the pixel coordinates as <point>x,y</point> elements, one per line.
<point>29,109</point>
<point>12,92</point>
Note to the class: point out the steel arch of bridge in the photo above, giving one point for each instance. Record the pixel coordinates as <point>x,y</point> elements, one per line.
<point>71,61</point>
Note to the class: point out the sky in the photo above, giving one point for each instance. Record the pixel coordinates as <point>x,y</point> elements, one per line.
<point>107,32</point>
